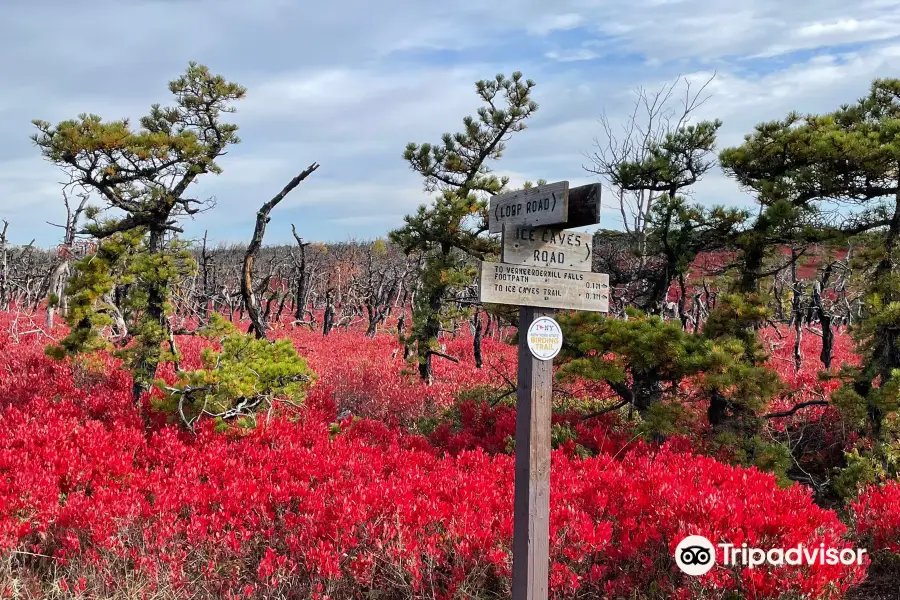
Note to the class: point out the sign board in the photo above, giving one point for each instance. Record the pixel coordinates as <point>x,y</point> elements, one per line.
<point>543,287</point>
<point>544,338</point>
<point>547,247</point>
<point>540,205</point>
<point>580,206</point>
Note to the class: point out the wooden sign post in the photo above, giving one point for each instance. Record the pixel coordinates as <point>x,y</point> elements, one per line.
<point>544,267</point>
<point>531,507</point>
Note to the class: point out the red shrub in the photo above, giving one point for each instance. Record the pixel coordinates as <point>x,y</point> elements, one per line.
<point>877,516</point>
<point>297,507</point>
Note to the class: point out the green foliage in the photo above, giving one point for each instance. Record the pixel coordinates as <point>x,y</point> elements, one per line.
<point>870,466</point>
<point>661,165</point>
<point>868,404</point>
<point>664,419</point>
<point>833,177</point>
<point>560,435</point>
<point>806,168</point>
<point>675,161</point>
<point>680,231</point>
<point>490,394</point>
<point>122,260</point>
<point>734,366</point>
<point>142,176</point>
<point>89,291</point>
<point>616,350</point>
<point>240,376</point>
<point>754,451</point>
<point>646,359</point>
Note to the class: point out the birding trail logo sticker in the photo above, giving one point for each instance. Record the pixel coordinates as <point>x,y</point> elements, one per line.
<point>695,555</point>
<point>544,338</point>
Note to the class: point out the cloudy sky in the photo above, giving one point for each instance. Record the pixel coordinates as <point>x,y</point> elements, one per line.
<point>348,83</point>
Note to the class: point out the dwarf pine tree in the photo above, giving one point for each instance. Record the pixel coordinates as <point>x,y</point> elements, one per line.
<point>142,178</point>
<point>449,232</point>
<point>646,359</point>
<point>241,374</point>
<point>842,168</point>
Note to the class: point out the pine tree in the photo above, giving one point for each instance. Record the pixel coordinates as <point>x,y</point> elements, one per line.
<point>661,155</point>
<point>837,175</point>
<point>142,176</point>
<point>449,232</point>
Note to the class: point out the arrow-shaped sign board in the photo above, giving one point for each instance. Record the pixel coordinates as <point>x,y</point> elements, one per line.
<point>547,247</point>
<point>552,204</point>
<point>541,205</point>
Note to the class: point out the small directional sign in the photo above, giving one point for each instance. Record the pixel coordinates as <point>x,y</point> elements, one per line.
<point>541,205</point>
<point>547,247</point>
<point>552,204</point>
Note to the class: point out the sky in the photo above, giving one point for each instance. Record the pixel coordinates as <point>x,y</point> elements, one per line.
<point>348,83</point>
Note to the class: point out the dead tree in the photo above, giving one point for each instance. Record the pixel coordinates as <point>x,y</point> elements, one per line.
<point>206,301</point>
<point>796,310</point>
<point>302,292</point>
<point>476,337</point>
<point>328,318</point>
<point>4,268</point>
<point>251,303</point>
<point>653,120</point>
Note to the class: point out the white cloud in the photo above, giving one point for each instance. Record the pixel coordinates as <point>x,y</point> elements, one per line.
<point>349,83</point>
<point>573,55</point>
<point>553,23</point>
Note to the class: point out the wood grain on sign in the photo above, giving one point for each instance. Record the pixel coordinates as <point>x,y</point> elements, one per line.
<point>541,205</point>
<point>545,287</point>
<point>547,247</point>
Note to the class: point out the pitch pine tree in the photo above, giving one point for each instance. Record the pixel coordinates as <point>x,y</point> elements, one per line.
<point>450,232</point>
<point>142,177</point>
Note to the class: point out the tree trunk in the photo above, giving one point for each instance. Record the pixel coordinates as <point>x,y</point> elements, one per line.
<point>825,318</point>
<point>144,371</point>
<point>476,339</point>
<point>302,278</point>
<point>682,302</point>
<point>328,319</point>
<point>646,391</point>
<point>428,334</point>
<point>372,315</point>
<point>257,325</point>
<point>796,311</point>
<point>281,304</point>
<point>267,313</point>
<point>57,288</point>
<point>4,269</point>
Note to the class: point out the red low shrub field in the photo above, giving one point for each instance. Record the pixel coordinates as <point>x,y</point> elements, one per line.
<point>95,502</point>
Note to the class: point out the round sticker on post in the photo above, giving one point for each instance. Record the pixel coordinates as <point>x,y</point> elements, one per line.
<point>544,338</point>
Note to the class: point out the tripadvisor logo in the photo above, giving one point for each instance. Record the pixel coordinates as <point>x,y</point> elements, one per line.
<point>695,555</point>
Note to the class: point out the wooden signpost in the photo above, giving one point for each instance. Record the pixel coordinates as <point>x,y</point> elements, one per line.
<point>544,267</point>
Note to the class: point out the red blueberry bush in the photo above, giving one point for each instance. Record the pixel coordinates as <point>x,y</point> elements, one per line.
<point>877,516</point>
<point>93,498</point>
